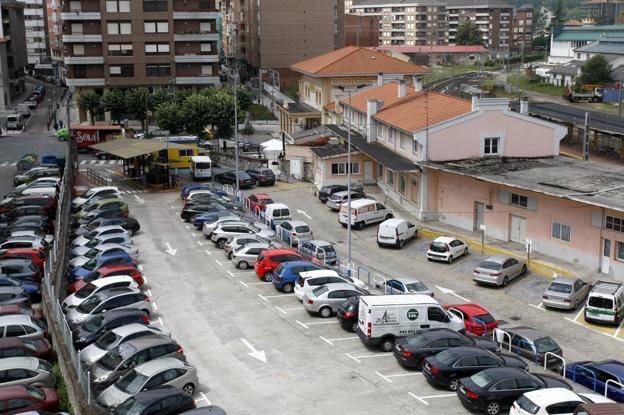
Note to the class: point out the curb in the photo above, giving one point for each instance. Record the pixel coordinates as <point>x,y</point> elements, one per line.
<point>537,266</point>
<point>571,155</point>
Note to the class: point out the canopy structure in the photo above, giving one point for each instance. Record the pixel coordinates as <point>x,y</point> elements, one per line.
<point>128,147</point>
<point>272,145</point>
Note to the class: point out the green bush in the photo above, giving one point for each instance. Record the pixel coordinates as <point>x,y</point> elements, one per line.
<point>61,389</point>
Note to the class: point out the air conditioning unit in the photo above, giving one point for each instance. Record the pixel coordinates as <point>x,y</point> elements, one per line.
<point>334,141</point>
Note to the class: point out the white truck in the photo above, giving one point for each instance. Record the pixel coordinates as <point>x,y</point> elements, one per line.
<point>384,318</point>
<point>14,122</point>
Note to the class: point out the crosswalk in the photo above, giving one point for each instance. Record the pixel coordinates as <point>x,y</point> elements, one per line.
<point>7,163</point>
<point>131,192</point>
<point>101,162</point>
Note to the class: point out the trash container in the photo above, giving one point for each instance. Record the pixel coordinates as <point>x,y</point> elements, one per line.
<point>48,159</point>
<point>27,162</point>
<point>60,162</point>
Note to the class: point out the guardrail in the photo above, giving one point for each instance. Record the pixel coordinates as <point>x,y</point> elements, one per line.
<point>607,386</point>
<point>98,178</point>
<point>501,341</point>
<point>595,378</point>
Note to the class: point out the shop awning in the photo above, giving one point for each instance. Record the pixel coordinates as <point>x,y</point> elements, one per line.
<point>131,147</point>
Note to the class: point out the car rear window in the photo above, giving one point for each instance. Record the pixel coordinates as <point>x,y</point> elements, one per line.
<point>484,318</point>
<point>326,248</point>
<point>438,247</point>
<point>320,290</point>
<point>601,302</point>
<point>489,265</point>
<point>481,379</point>
<point>260,257</point>
<point>545,344</point>
<point>446,357</point>
<point>416,286</point>
<point>560,287</point>
<point>526,405</point>
<point>302,229</point>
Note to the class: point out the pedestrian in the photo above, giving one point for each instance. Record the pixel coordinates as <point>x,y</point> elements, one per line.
<point>61,124</point>
<point>56,126</point>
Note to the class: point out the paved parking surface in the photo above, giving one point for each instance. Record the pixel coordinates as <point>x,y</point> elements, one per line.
<point>229,321</point>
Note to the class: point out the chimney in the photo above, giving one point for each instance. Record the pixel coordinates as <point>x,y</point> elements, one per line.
<point>417,82</point>
<point>524,105</point>
<point>401,90</point>
<point>475,102</point>
<point>372,107</point>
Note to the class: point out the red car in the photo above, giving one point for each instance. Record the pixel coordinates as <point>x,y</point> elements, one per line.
<point>110,271</point>
<point>47,203</point>
<point>27,398</point>
<point>35,255</point>
<point>272,258</point>
<point>15,346</point>
<point>476,318</point>
<point>257,202</point>
<point>11,309</point>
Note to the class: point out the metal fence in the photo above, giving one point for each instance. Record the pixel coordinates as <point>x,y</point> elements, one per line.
<point>96,176</point>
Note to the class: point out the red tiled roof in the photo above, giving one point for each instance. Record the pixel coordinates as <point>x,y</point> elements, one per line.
<point>435,49</point>
<point>353,61</point>
<point>388,93</point>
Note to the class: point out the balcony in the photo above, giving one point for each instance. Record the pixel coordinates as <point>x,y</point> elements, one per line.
<point>197,80</point>
<point>85,82</point>
<point>195,37</point>
<point>195,15</point>
<point>82,38</point>
<point>83,60</point>
<point>80,15</point>
<point>197,58</point>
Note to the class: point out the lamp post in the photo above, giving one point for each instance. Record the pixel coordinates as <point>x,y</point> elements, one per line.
<point>236,113</point>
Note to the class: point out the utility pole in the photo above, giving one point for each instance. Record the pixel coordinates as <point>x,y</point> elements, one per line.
<point>236,114</point>
<point>519,67</point>
<point>620,98</point>
<point>586,137</point>
<point>349,187</point>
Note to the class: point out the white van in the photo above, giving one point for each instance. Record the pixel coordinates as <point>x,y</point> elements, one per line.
<point>605,303</point>
<point>364,212</point>
<point>276,213</point>
<point>39,191</point>
<point>395,232</point>
<point>201,167</point>
<point>384,318</point>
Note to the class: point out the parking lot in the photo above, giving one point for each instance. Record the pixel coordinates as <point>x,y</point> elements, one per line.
<point>230,322</point>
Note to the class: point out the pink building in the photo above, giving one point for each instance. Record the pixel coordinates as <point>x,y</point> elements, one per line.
<point>477,163</point>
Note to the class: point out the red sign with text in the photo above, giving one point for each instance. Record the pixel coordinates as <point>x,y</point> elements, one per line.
<point>85,138</point>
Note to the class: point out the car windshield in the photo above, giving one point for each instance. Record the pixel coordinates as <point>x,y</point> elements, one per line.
<point>484,318</point>
<point>92,234</point>
<point>526,405</point>
<point>545,344</point>
<point>560,287</point>
<point>446,357</point>
<point>416,286</point>
<point>438,247</point>
<point>35,392</point>
<point>89,304</point>
<point>489,265</point>
<point>302,229</point>
<point>326,248</point>
<point>130,407</point>
<point>85,291</point>
<point>93,243</point>
<point>93,325</point>
<point>131,383</point>
<point>266,201</point>
<point>90,265</point>
<point>320,290</point>
<point>600,302</point>
<point>113,358</point>
<point>91,253</point>
<point>108,339</point>
<point>481,379</point>
<point>416,341</point>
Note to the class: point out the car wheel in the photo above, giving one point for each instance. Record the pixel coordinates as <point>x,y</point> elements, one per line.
<point>453,384</point>
<point>361,225</point>
<point>230,254</point>
<point>268,277</point>
<point>189,389</point>
<point>288,288</point>
<point>505,281</point>
<point>492,408</point>
<point>388,216</point>
<point>221,243</point>
<point>401,243</point>
<point>387,344</point>
<point>450,259</point>
<point>325,312</point>
<point>465,251</point>
<point>354,326</point>
<point>524,270</point>
<point>242,265</point>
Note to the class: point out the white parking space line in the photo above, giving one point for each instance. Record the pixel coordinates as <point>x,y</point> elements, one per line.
<point>203,398</point>
<point>200,243</point>
<point>187,227</point>
<point>140,267</point>
<point>539,306</point>
<point>331,341</point>
<point>160,321</point>
<point>576,317</point>
<point>423,398</point>
<point>206,251</point>
<point>148,292</point>
<point>219,262</point>
<point>154,305</point>
<point>144,279</point>
<point>618,329</point>
<point>367,356</point>
<point>195,235</point>
<point>263,297</point>
<point>286,310</point>
<point>400,375</point>
<point>315,323</point>
<point>172,207</point>
<point>244,284</point>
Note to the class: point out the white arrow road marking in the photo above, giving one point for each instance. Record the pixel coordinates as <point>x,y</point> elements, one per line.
<point>451,292</point>
<point>140,200</point>
<point>302,212</point>
<point>256,354</point>
<point>170,250</point>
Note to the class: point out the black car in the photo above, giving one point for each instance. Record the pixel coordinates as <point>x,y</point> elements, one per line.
<point>29,210</point>
<point>165,400</point>
<point>262,176</point>
<point>348,314</point>
<point>91,330</point>
<point>191,210</point>
<point>229,177</point>
<point>205,410</point>
<point>326,191</point>
<point>493,390</point>
<point>447,367</point>
<point>411,351</point>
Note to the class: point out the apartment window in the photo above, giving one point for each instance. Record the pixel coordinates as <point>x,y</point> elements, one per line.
<point>119,28</point>
<point>156,27</point>
<point>560,231</point>
<point>121,71</point>
<point>619,251</point>
<point>160,69</point>
<point>390,178</point>
<point>206,47</point>
<point>120,49</point>
<point>402,183</point>
<point>416,149</point>
<point>75,6</point>
<point>518,200</point>
<point>614,224</point>
<point>157,48</point>
<point>491,146</point>
<point>78,50</point>
<point>117,6</point>
<point>402,140</point>
<point>154,5</point>
<point>380,170</point>
<point>205,27</point>
<point>380,132</point>
<point>206,70</point>
<point>76,28</point>
<point>186,153</point>
<point>391,134</point>
<point>80,71</point>
<point>340,169</point>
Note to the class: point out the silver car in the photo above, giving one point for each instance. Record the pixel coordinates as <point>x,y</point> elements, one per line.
<point>499,270</point>
<point>566,293</point>
<point>234,243</point>
<point>209,227</point>
<point>103,249</point>
<point>405,285</point>
<point>25,371</point>
<point>106,300</point>
<point>337,199</point>
<point>326,299</point>
<point>98,232</point>
<point>113,338</point>
<point>294,231</point>
<point>245,256</point>
<point>226,231</point>
<point>96,286</point>
<point>121,238</point>
<point>160,372</point>
<point>22,326</point>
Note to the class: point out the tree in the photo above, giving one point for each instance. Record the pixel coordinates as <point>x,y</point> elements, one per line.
<point>90,101</point>
<point>114,101</point>
<point>196,114</point>
<point>169,117</point>
<point>468,34</point>
<point>595,71</point>
<point>558,17</point>
<point>221,107</point>
<point>244,97</point>
<point>157,98</point>
<point>539,22</point>
<point>136,99</point>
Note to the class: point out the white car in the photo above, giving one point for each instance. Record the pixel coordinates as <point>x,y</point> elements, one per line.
<point>447,249</point>
<point>209,227</point>
<point>309,280</point>
<point>105,300</point>
<point>546,401</point>
<point>103,249</point>
<point>51,181</point>
<point>228,230</point>
<point>98,232</point>
<point>96,193</point>
<point>96,286</point>
<point>118,238</point>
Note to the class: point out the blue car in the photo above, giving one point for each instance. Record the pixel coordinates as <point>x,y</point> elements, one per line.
<point>90,269</point>
<point>198,220</point>
<point>190,187</point>
<point>32,288</point>
<point>285,276</point>
<point>594,375</point>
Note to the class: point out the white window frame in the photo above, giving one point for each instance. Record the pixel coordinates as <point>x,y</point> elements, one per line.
<point>511,195</point>
<point>391,132</point>
<point>114,70</point>
<point>117,6</point>
<point>500,135</point>
<point>156,27</point>
<point>77,28</point>
<point>617,251</point>
<point>205,47</point>
<point>78,49</point>
<point>402,140</point>
<point>557,231</point>
<point>341,168</point>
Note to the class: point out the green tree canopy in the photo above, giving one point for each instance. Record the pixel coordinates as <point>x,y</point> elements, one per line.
<point>114,101</point>
<point>137,101</point>
<point>469,34</point>
<point>221,104</point>
<point>559,15</point>
<point>595,71</point>
<point>90,101</point>
<point>196,114</point>
<point>169,117</point>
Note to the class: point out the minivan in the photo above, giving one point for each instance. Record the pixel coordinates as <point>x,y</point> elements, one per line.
<point>605,303</point>
<point>276,213</point>
<point>363,212</point>
<point>395,232</point>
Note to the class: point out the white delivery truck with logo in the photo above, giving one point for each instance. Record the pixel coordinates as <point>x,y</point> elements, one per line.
<point>384,318</point>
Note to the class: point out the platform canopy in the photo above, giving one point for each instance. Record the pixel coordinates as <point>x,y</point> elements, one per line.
<point>127,148</point>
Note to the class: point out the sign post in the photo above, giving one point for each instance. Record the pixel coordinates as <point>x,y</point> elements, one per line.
<point>482,227</point>
<point>529,247</point>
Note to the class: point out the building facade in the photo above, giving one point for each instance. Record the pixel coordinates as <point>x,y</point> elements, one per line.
<point>12,31</point>
<point>494,20</point>
<point>55,35</point>
<point>567,39</point>
<point>604,12</point>
<point>523,27</point>
<point>35,24</point>
<point>361,30</point>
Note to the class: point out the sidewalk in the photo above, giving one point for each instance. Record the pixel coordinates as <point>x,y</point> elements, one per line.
<point>538,263</point>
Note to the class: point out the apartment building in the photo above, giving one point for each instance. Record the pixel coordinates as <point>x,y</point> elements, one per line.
<point>523,26</point>
<point>55,34</point>
<point>361,30</point>
<point>493,18</point>
<point>12,31</point>
<point>35,24</point>
<point>130,43</point>
<point>603,12</point>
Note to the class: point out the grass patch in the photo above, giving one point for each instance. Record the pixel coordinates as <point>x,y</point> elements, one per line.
<point>61,389</point>
<point>260,112</point>
<point>535,86</point>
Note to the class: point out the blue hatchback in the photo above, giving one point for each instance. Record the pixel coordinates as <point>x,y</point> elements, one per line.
<point>190,187</point>
<point>285,276</point>
<point>90,268</point>
<point>32,288</point>
<point>198,220</point>
<point>595,375</point>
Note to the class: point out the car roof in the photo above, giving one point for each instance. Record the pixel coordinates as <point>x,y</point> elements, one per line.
<point>339,286</point>
<point>319,273</point>
<point>9,342</point>
<point>440,333</point>
<point>154,394</point>
<point>504,372</point>
<point>261,196</point>
<point>398,299</point>
<point>528,332</point>
<point>361,202</point>
<point>113,268</point>
<point>612,366</point>
<point>345,192</point>
<point>15,261</point>
<point>280,251</point>
<point>406,280</point>
<point>13,392</point>
<point>276,206</point>
<point>19,362</point>
<point>158,365</point>
<point>497,258</point>
<point>318,242</point>
<point>114,292</point>
<point>392,222</point>
<point>118,312</point>
<point>564,280</point>
<point>144,342</point>
<point>257,245</point>
<point>463,351</point>
<point>549,396</point>
<point>128,329</point>
<point>108,227</point>
<point>444,239</point>
<point>296,263</point>
<point>297,222</point>
<point>469,309</point>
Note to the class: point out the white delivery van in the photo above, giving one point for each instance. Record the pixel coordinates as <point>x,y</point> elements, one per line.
<point>276,213</point>
<point>201,167</point>
<point>363,212</point>
<point>384,318</point>
<point>605,303</point>
<point>395,232</point>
